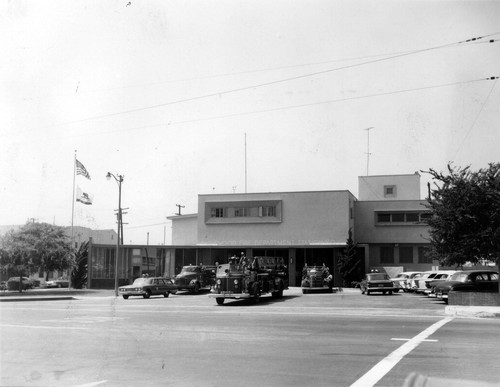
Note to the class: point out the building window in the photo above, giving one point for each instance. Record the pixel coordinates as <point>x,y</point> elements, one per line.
<point>241,211</point>
<point>217,212</point>
<point>423,255</point>
<point>389,191</point>
<point>406,254</point>
<point>269,211</point>
<point>386,254</point>
<point>401,217</point>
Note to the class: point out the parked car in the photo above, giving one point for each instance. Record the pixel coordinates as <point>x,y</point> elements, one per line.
<point>57,283</point>
<point>441,276</point>
<point>468,281</point>
<point>376,282</point>
<point>194,278</point>
<point>402,280</point>
<point>13,283</point>
<point>148,286</point>
<point>420,286</point>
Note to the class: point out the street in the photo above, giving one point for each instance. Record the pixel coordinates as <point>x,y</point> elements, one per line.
<point>340,339</point>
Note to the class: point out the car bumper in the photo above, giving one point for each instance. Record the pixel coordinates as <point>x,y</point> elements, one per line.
<point>380,289</point>
<point>131,292</point>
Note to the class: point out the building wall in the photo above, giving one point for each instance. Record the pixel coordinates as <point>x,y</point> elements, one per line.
<point>400,244</point>
<point>404,187</point>
<point>185,231</point>
<point>302,218</point>
<point>368,230</point>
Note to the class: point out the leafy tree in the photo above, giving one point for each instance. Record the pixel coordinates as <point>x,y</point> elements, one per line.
<point>350,265</point>
<point>35,247</point>
<point>79,273</point>
<point>465,215</point>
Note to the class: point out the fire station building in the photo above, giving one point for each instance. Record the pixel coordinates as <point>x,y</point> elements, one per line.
<point>387,223</point>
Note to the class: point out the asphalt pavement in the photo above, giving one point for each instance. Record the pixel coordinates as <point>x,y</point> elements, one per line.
<point>41,294</point>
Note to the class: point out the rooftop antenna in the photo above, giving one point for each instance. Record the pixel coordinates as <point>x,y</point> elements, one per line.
<point>178,205</point>
<point>368,150</point>
<point>245,162</point>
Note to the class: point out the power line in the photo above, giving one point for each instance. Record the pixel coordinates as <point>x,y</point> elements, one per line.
<point>264,84</point>
<point>286,107</point>
<point>478,114</point>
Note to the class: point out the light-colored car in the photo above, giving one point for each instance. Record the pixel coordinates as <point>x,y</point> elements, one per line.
<point>57,283</point>
<point>419,286</point>
<point>402,281</point>
<point>148,286</point>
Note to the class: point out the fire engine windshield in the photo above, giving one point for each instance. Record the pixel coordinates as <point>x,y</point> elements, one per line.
<point>229,268</point>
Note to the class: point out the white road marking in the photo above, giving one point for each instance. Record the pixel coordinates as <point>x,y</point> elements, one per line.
<point>401,339</point>
<point>385,365</point>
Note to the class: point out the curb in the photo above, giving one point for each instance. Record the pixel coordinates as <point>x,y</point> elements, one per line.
<point>473,311</point>
<point>35,298</point>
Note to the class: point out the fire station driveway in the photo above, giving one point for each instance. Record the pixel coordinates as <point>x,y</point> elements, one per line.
<point>340,339</point>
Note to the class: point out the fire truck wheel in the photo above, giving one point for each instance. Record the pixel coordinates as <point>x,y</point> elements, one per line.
<point>196,288</point>
<point>219,300</point>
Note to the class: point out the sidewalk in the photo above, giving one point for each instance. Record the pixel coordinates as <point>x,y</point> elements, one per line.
<point>53,294</point>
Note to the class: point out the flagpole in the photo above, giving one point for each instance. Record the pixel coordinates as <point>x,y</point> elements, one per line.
<point>72,216</point>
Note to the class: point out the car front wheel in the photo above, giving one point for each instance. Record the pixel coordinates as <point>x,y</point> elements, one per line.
<point>125,297</point>
<point>219,301</point>
<point>147,295</point>
<point>166,294</point>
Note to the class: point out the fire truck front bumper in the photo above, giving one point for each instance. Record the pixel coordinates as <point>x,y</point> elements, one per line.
<point>229,294</point>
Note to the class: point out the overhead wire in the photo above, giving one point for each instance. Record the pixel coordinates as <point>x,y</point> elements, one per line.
<point>473,124</point>
<point>278,81</point>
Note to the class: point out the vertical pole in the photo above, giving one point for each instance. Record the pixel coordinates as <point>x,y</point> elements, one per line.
<point>119,216</point>
<point>245,162</point>
<point>72,218</point>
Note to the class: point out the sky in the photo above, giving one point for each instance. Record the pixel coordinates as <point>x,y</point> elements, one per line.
<point>192,97</point>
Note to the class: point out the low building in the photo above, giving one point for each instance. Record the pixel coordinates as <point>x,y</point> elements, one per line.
<point>387,223</point>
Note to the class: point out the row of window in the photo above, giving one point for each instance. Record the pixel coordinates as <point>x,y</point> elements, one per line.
<point>228,212</point>
<point>402,217</point>
<point>406,254</point>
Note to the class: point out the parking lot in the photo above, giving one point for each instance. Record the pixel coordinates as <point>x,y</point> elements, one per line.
<point>323,339</point>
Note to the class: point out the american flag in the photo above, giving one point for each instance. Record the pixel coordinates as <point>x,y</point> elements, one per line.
<point>81,170</point>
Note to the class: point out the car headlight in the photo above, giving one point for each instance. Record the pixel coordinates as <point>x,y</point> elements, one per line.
<point>218,282</point>
<point>236,282</point>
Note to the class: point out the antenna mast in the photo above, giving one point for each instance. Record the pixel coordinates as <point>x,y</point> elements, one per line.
<point>368,150</point>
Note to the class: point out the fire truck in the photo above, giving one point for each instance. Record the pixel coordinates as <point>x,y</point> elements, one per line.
<point>250,280</point>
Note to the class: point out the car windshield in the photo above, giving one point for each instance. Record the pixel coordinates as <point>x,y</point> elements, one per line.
<point>460,277</point>
<point>229,268</point>
<point>143,281</point>
<point>377,277</point>
<point>189,269</point>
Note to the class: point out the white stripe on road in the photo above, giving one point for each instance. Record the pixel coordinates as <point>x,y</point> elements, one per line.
<point>385,365</point>
<point>401,339</point>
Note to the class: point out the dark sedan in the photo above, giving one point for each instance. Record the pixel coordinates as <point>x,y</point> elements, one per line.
<point>376,282</point>
<point>468,281</point>
<point>148,286</point>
